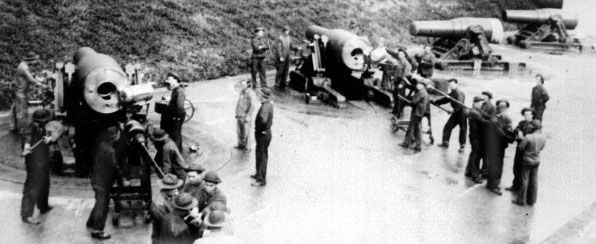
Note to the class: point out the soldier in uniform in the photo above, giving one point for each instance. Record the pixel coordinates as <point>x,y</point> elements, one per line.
<point>263,123</point>
<point>257,58</point>
<point>37,185</point>
<point>168,157</point>
<point>488,136</point>
<point>523,128</point>
<point>530,146</point>
<point>282,57</point>
<point>107,168</point>
<point>161,203</point>
<point>206,191</point>
<point>477,123</point>
<point>504,136</point>
<point>20,115</point>
<point>419,105</point>
<point>180,224</point>
<point>244,111</point>
<point>539,97</point>
<point>173,118</point>
<point>457,118</point>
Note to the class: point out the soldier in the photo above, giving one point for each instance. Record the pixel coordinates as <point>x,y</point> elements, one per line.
<point>539,97</point>
<point>37,185</point>
<point>403,76</point>
<point>488,135</point>
<point>523,128</point>
<point>106,170</point>
<point>259,47</point>
<point>477,122</point>
<point>419,105</point>
<point>168,156</point>
<point>206,191</point>
<point>173,118</point>
<point>282,57</point>
<point>161,203</point>
<point>216,222</point>
<point>530,146</point>
<point>457,118</point>
<point>20,115</point>
<point>426,62</point>
<point>180,224</point>
<point>504,137</point>
<point>244,110</point>
<point>263,124</point>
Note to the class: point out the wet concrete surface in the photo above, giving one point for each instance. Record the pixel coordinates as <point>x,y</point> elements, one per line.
<point>339,176</point>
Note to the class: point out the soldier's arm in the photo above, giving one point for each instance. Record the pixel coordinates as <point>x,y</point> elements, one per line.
<point>179,159</point>
<point>29,77</point>
<point>166,160</point>
<point>522,144</point>
<point>545,96</point>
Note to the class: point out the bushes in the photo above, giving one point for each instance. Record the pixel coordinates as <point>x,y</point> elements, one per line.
<point>200,39</point>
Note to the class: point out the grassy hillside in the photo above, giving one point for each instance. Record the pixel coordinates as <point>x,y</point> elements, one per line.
<point>200,39</point>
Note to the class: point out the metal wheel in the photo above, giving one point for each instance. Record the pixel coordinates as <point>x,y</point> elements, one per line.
<point>189,108</point>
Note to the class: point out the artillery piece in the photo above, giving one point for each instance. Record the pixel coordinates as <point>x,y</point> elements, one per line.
<point>545,28</point>
<point>92,95</point>
<point>460,43</point>
<point>333,67</point>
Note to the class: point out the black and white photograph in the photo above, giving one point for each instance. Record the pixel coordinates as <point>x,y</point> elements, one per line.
<point>280,121</point>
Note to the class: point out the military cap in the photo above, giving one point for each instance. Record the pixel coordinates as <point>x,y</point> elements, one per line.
<point>503,101</point>
<point>174,75</point>
<point>286,27</point>
<point>478,99</point>
<point>212,177</point>
<point>265,92</point>
<point>452,80</point>
<point>215,219</point>
<point>170,181</point>
<point>31,57</point>
<point>195,167</point>
<point>260,28</point>
<point>524,110</point>
<point>541,77</point>
<point>42,115</point>
<point>185,201</point>
<point>488,94</point>
<point>159,134</point>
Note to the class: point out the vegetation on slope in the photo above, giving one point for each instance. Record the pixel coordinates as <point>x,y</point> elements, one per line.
<point>200,39</point>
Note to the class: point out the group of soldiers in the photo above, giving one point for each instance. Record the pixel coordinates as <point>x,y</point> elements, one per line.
<point>190,206</point>
<point>490,127</point>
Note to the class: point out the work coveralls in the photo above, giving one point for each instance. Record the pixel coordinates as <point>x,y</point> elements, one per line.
<point>244,109</point>
<point>504,136</point>
<point>458,117</point>
<point>530,145</point>
<point>263,123</point>
<point>539,98</point>
<point>37,184</point>
<point>173,118</point>
<point>107,168</point>
<point>419,105</point>
<point>477,123</point>
<point>525,127</point>
<point>170,159</point>
<point>282,51</point>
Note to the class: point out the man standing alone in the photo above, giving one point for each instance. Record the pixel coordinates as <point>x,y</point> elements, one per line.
<point>257,58</point>
<point>173,118</point>
<point>282,57</point>
<point>539,97</point>
<point>263,124</point>
<point>244,110</point>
